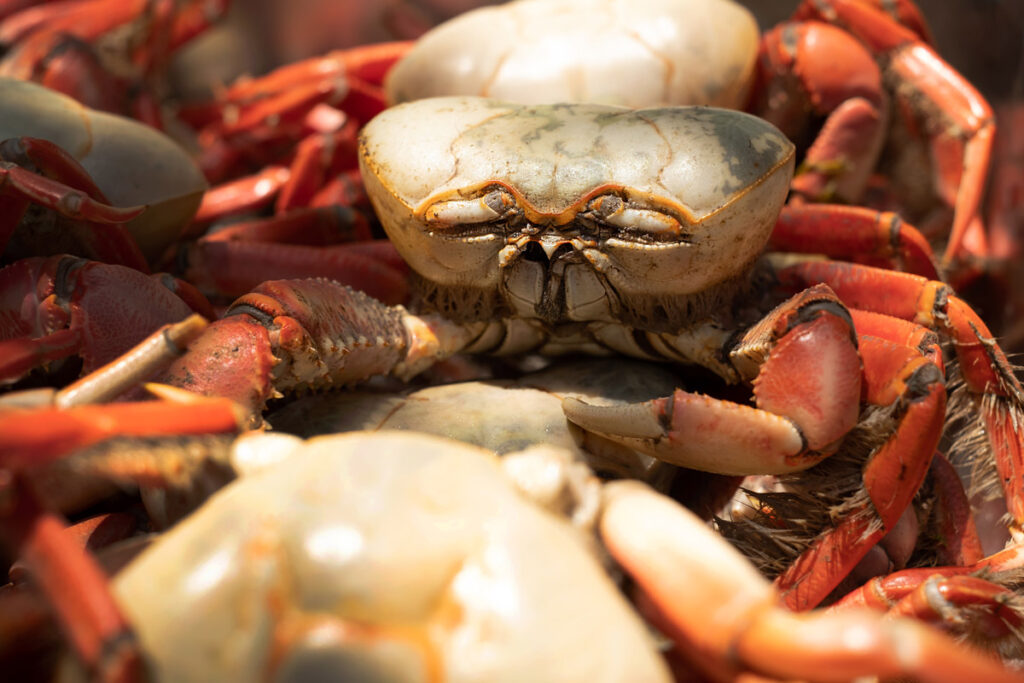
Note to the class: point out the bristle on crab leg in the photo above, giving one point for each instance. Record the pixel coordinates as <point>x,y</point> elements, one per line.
<point>991,398</point>
<point>293,335</point>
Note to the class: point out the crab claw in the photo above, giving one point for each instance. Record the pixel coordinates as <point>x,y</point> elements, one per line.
<point>807,383</point>
<point>700,433</point>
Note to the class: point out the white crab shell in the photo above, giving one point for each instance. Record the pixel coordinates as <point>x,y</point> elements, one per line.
<point>700,187</point>
<point>625,52</point>
<point>384,556</point>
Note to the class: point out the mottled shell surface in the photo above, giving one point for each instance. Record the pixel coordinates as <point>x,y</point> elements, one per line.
<point>625,52</point>
<point>718,175</point>
<point>132,163</point>
<point>387,556</point>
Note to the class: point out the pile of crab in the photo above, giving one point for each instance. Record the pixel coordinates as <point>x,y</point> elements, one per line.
<point>645,329</point>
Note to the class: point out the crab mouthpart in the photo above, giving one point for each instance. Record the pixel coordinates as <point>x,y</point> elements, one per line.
<point>552,277</point>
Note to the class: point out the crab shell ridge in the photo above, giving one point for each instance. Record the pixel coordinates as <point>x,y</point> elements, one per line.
<point>720,175</point>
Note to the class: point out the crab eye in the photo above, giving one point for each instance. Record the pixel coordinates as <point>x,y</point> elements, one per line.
<point>491,206</point>
<point>611,210</point>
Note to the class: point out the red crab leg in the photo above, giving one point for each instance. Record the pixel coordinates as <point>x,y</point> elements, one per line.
<point>883,592</point>
<point>855,233</point>
<point>727,621</point>
<point>316,157</point>
<point>904,378</point>
<point>987,375</point>
<point>963,150</point>
<point>232,268</point>
<point>898,331</point>
<point>291,334</point>
<point>838,79</point>
<point>107,242</point>
<point>807,391</point>
<point>240,196</point>
<point>938,598</point>
<point>315,226</point>
<point>368,63</point>
<point>31,438</point>
<point>74,584</point>
<point>345,189</point>
<point>51,161</point>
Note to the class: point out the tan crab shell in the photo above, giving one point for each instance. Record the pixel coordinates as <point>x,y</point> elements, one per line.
<point>132,163</point>
<point>723,175</point>
<point>384,556</point>
<point>633,53</point>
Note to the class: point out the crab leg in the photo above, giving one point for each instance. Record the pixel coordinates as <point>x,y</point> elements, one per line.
<point>856,233</point>
<point>239,196</point>
<point>108,241</point>
<point>315,226</point>
<point>987,375</point>
<point>801,414</point>
<point>232,268</point>
<point>288,335</point>
<point>727,619</point>
<point>74,584</point>
<point>316,158</point>
<point>962,150</point>
<point>841,81</point>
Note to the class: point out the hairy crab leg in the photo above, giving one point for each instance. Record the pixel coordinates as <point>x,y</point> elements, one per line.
<point>988,377</point>
<point>289,335</point>
<point>854,233</point>
<point>727,619</point>
<point>791,429</point>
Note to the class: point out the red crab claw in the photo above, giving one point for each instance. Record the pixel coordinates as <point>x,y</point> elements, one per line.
<point>807,390</point>
<point>90,223</point>
<point>962,136</point>
<point>990,388</point>
<point>60,306</point>
<point>291,335</point>
<point>854,233</point>
<point>727,621</point>
<point>811,67</point>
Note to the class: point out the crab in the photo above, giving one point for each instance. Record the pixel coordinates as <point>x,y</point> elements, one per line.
<point>598,229</point>
<point>485,421</point>
<point>843,78</point>
<point>89,200</point>
<point>475,574</point>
